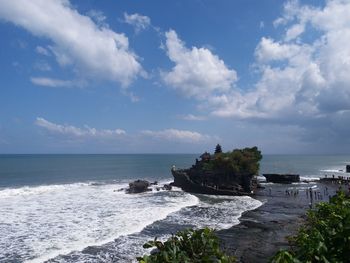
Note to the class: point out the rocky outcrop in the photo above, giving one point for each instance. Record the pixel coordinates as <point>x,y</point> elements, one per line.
<point>229,173</point>
<point>282,178</point>
<point>138,186</point>
<point>348,168</point>
<point>167,187</point>
<point>183,180</point>
<point>264,231</point>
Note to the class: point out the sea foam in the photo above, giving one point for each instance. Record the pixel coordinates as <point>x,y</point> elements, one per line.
<point>217,212</point>
<point>39,223</point>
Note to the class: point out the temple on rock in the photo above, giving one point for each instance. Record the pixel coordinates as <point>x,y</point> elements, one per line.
<point>230,173</point>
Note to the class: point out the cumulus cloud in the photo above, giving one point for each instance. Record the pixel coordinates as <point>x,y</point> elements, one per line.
<point>93,50</point>
<point>303,80</point>
<point>177,135</point>
<point>72,131</point>
<point>270,50</point>
<point>197,72</point>
<point>294,31</point>
<point>139,22</point>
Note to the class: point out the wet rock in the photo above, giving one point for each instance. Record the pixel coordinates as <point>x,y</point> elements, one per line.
<point>138,186</point>
<point>167,187</point>
<point>188,183</point>
<point>264,231</point>
<point>92,250</point>
<point>282,178</point>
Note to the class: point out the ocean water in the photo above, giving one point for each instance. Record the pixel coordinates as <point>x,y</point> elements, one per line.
<point>308,166</point>
<point>67,208</point>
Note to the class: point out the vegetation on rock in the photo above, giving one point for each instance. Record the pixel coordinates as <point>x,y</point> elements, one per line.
<point>325,237</point>
<point>188,246</point>
<point>230,173</point>
<point>239,161</point>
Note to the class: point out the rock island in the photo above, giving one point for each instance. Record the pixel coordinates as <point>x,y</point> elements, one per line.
<point>229,173</point>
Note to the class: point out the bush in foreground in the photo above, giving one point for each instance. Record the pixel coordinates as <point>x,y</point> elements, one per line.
<point>188,246</point>
<point>325,237</point>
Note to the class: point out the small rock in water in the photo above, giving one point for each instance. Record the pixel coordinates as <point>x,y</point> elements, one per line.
<point>167,187</point>
<point>138,186</point>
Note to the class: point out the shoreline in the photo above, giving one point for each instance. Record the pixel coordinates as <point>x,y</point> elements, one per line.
<point>263,231</point>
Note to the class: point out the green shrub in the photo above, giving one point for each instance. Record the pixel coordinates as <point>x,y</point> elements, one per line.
<point>239,161</point>
<point>325,237</point>
<point>188,246</point>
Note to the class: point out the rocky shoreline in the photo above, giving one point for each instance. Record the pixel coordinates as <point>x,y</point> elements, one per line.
<point>263,231</point>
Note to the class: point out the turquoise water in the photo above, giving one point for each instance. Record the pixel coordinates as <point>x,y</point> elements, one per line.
<point>67,208</point>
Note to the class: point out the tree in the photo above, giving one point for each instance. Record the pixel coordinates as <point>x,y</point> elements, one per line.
<point>218,149</point>
<point>187,246</point>
<point>239,161</point>
<point>325,236</point>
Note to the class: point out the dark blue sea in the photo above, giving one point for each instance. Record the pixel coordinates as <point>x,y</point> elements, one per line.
<point>67,208</point>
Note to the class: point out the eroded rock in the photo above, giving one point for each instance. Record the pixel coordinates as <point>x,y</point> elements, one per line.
<point>138,186</point>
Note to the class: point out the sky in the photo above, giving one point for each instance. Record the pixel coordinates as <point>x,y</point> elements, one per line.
<point>181,76</point>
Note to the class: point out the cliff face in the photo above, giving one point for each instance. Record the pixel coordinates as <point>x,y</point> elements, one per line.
<point>282,178</point>
<point>209,184</point>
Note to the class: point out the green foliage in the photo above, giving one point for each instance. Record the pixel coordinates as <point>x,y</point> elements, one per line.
<point>188,246</point>
<point>239,161</point>
<point>325,236</point>
<point>283,256</point>
<point>209,166</point>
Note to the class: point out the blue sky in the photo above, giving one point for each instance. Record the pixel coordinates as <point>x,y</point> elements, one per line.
<point>174,76</point>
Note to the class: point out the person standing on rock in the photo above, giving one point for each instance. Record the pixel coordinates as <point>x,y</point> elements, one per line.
<point>310,192</point>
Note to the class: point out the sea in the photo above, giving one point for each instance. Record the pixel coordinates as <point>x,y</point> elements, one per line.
<point>71,208</point>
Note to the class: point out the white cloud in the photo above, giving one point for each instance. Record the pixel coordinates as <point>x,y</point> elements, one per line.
<point>197,72</point>
<point>139,22</point>
<point>291,9</point>
<point>98,17</point>
<point>93,51</point>
<point>269,50</point>
<point>301,80</point>
<point>177,135</point>
<point>53,83</point>
<point>294,31</point>
<point>191,117</point>
<point>42,51</point>
<point>72,131</point>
